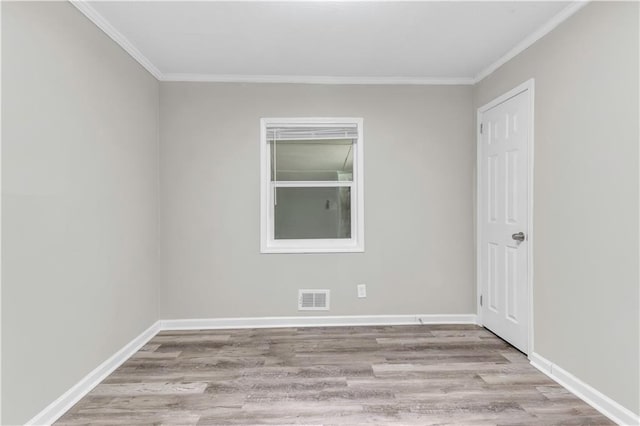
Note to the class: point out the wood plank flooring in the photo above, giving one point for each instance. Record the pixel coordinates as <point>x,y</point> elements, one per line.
<point>392,375</point>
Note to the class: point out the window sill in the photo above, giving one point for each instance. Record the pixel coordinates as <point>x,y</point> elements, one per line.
<point>295,250</point>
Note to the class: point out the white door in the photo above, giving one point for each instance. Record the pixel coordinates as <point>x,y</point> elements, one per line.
<point>503,216</point>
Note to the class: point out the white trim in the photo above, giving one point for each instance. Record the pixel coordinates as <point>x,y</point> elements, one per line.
<point>316,79</point>
<point>57,408</point>
<point>540,363</point>
<point>0,224</point>
<point>585,392</point>
<point>268,244</point>
<point>60,406</point>
<point>478,216</point>
<point>102,23</point>
<point>94,16</point>
<point>531,85</point>
<point>322,246</point>
<point>528,85</point>
<point>314,321</point>
<point>549,26</point>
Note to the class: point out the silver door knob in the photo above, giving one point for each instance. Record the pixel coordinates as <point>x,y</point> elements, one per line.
<point>519,236</point>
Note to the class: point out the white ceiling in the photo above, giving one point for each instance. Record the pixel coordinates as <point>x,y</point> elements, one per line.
<point>449,42</point>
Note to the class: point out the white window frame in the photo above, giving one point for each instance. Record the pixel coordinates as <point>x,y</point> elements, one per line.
<point>267,218</point>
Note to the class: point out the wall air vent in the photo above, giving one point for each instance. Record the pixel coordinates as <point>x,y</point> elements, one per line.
<point>313,300</point>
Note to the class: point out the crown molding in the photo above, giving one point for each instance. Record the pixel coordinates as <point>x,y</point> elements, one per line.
<point>313,79</point>
<point>549,26</point>
<point>87,10</point>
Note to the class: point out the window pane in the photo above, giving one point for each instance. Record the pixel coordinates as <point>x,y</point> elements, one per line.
<point>312,160</point>
<point>302,213</point>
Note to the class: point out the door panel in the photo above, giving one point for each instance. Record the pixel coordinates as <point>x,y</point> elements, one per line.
<point>504,211</point>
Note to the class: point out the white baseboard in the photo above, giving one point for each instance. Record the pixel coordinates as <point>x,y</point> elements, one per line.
<point>57,408</point>
<point>314,321</point>
<point>588,394</point>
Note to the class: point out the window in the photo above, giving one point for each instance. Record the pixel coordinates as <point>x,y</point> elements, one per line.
<point>311,183</point>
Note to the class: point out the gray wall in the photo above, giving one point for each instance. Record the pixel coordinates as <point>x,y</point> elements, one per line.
<point>79,200</point>
<point>419,153</point>
<point>586,194</point>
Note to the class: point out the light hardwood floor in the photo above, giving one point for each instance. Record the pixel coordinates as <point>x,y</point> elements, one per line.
<point>405,375</point>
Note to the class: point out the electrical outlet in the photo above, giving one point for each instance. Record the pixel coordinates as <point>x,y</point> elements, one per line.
<point>362,290</point>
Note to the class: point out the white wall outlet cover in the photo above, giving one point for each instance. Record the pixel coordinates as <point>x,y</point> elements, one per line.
<point>362,290</point>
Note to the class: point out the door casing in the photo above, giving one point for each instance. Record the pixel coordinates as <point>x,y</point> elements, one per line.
<point>529,86</point>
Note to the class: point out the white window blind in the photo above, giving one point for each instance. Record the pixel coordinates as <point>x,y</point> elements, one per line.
<point>301,133</point>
